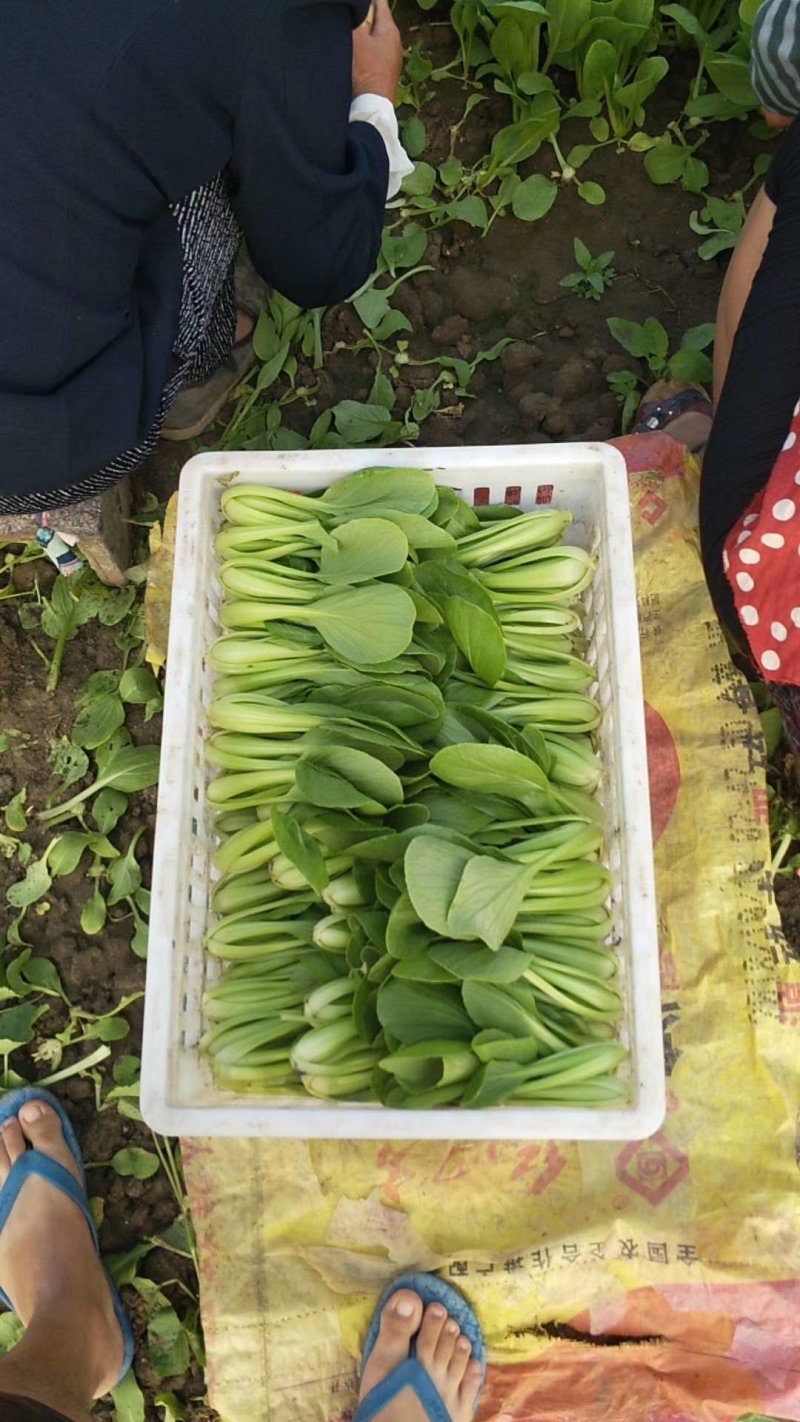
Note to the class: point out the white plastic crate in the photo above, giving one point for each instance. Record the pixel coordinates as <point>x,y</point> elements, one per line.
<point>178,1094</point>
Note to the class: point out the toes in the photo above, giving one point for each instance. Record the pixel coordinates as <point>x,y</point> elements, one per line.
<point>399,1322</point>
<point>440,1346</point>
<point>402,1315</point>
<point>13,1139</point>
<point>429,1334</point>
<point>41,1126</point>
<point>446,1346</point>
<point>470,1387</point>
<point>460,1361</point>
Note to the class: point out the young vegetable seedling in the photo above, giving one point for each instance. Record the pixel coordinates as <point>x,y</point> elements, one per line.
<point>594,275</point>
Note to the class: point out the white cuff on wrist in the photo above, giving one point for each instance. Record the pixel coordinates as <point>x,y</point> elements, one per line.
<point>379,111</point>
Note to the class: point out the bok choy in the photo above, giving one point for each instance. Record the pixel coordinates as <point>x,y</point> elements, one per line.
<point>412,906</point>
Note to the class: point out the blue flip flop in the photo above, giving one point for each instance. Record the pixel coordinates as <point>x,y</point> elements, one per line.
<point>33,1162</point>
<point>411,1373</point>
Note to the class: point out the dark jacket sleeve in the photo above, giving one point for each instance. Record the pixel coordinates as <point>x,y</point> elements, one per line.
<point>309,187</point>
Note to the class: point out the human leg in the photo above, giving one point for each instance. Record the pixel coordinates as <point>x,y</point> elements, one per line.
<point>219,364</point>
<point>762,382</point>
<point>435,1339</point>
<point>215,332</point>
<point>72,1350</point>
<point>680,410</point>
<point>742,268</point>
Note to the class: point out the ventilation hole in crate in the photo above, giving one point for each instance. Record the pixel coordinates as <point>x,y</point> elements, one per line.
<point>196,793</point>
<point>513,494</point>
<point>544,493</point>
<point>481,496</point>
<point>194,825</point>
<point>188,893</point>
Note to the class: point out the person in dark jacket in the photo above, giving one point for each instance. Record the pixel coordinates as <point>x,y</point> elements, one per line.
<point>141,140</point>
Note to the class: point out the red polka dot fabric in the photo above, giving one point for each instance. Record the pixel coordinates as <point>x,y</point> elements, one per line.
<point>762,564</point>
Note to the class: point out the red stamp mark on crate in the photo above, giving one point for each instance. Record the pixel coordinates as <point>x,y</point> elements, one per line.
<point>544,494</point>
<point>789,1003</point>
<point>513,494</point>
<point>481,497</point>
<point>652,1168</point>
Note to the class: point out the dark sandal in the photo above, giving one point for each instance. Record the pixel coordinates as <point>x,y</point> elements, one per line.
<point>33,1162</point>
<point>199,403</point>
<point>684,412</point>
<point>410,1373</point>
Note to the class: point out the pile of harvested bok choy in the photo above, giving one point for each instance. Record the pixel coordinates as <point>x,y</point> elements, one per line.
<point>412,906</point>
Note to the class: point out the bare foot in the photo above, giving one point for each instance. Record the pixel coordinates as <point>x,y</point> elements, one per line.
<point>48,1261</point>
<point>245,325</point>
<point>442,1349</point>
<point>678,408</point>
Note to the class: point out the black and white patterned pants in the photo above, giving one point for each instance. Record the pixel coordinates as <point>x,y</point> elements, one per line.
<point>210,238</point>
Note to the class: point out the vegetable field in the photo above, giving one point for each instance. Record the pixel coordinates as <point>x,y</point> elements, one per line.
<point>582,169</point>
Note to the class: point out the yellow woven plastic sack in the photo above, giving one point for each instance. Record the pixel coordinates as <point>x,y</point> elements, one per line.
<point>680,1254</point>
